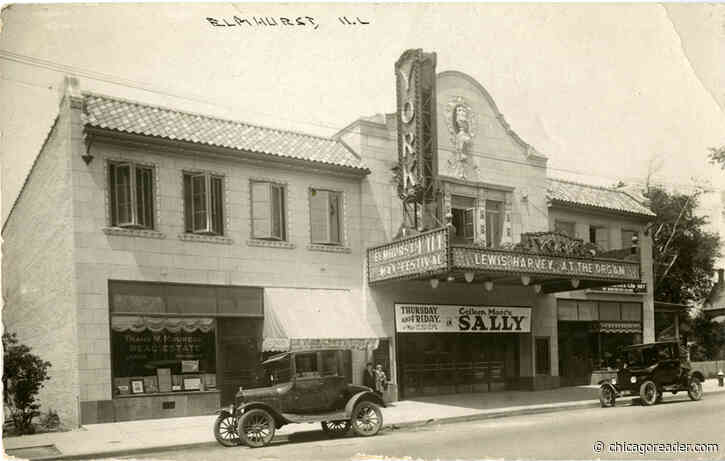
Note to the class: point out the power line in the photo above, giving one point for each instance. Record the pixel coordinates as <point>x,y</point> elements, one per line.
<point>116,80</point>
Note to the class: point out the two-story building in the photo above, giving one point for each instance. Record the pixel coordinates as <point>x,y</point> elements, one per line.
<point>154,256</point>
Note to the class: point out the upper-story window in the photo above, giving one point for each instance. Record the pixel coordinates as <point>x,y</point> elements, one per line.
<point>565,227</point>
<point>463,211</point>
<point>268,211</point>
<point>627,236</point>
<point>325,217</point>
<point>494,223</point>
<point>203,203</point>
<point>131,193</point>
<point>600,236</point>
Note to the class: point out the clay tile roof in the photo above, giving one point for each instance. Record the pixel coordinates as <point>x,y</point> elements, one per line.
<point>137,118</point>
<point>569,193</point>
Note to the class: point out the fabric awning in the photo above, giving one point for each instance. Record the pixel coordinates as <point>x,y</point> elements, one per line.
<point>297,319</point>
<point>138,324</point>
<point>617,327</point>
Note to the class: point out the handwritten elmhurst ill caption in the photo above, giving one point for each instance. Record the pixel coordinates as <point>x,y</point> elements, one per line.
<point>281,21</point>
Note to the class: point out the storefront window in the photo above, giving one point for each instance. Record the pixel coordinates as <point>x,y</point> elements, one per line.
<point>543,362</point>
<point>164,353</point>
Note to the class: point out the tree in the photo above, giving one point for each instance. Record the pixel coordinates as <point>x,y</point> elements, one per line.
<point>709,338</point>
<point>717,155</point>
<point>684,253</point>
<point>23,376</point>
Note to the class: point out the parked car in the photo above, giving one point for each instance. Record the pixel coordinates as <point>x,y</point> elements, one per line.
<point>304,387</point>
<point>649,370</point>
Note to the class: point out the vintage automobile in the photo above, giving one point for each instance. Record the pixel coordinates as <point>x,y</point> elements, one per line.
<point>649,370</point>
<point>304,387</point>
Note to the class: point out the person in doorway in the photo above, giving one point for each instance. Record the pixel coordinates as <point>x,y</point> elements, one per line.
<point>369,376</point>
<point>381,381</point>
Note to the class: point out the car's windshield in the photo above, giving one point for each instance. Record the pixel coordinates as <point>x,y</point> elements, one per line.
<point>278,371</point>
<point>647,356</point>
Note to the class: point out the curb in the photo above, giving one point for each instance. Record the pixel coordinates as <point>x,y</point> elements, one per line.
<point>582,405</point>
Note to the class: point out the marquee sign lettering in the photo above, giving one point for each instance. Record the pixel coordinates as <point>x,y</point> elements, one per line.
<point>426,252</point>
<point>495,261</point>
<point>436,318</point>
<point>415,78</point>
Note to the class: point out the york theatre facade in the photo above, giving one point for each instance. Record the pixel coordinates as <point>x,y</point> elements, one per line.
<point>156,256</point>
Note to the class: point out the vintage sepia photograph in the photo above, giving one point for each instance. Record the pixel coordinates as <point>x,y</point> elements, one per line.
<point>363,231</point>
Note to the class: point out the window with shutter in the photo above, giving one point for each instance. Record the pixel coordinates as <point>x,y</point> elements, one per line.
<point>600,236</point>
<point>203,203</point>
<point>131,195</point>
<point>326,217</point>
<point>268,211</point>
<point>494,223</point>
<point>463,211</point>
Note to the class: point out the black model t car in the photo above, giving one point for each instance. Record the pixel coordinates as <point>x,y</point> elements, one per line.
<point>304,387</point>
<point>649,370</point>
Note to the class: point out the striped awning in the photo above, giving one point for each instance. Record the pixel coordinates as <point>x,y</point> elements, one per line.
<point>303,319</point>
<point>617,327</point>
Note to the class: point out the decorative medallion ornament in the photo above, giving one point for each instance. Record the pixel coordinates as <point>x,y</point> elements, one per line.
<point>461,121</point>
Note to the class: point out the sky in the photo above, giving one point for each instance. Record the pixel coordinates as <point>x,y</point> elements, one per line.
<point>603,90</point>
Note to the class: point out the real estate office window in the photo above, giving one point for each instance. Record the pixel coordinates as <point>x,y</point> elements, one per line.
<point>325,217</point>
<point>203,203</point>
<point>131,193</point>
<point>268,211</point>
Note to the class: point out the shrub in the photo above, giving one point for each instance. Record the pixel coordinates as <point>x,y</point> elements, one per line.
<point>23,375</point>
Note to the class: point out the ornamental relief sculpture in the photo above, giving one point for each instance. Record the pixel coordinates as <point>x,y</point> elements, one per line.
<point>461,121</point>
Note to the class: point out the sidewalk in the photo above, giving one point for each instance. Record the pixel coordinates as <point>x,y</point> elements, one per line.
<point>134,437</point>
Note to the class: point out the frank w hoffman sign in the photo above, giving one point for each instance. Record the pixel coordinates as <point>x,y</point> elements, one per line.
<point>436,318</point>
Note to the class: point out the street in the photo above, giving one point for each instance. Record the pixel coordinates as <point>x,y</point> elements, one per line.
<point>562,435</point>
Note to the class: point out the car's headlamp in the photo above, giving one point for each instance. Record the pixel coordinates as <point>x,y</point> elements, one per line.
<point>614,380</point>
<point>633,379</point>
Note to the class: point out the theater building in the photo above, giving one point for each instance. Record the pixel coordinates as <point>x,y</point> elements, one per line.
<point>155,256</point>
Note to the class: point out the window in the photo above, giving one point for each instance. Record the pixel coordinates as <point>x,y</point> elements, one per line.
<point>494,223</point>
<point>462,209</point>
<point>306,365</point>
<point>325,217</point>
<point>600,236</point>
<point>162,352</point>
<point>131,188</point>
<point>268,211</point>
<point>627,236</point>
<point>543,364</point>
<point>203,204</point>
<point>565,227</point>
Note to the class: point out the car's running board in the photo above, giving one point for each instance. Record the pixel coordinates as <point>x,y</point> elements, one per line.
<point>314,418</point>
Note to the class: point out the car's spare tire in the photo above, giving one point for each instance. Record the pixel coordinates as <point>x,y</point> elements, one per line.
<point>648,392</point>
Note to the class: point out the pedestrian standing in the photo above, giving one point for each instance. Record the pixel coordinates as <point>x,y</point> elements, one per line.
<point>369,376</point>
<point>381,381</point>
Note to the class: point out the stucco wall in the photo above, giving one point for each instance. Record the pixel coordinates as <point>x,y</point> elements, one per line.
<point>38,276</point>
<point>167,258</point>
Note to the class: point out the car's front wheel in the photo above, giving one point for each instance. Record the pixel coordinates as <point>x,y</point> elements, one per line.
<point>648,393</point>
<point>694,390</point>
<point>256,428</point>
<point>367,419</point>
<point>225,430</point>
<point>336,428</point>
<point>606,396</point>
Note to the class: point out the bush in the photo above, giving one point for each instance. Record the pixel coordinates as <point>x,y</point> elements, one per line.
<point>23,376</point>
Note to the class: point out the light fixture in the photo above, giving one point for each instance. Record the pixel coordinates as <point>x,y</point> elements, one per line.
<point>468,276</point>
<point>450,278</point>
<point>575,283</point>
<point>537,288</point>
<point>525,279</point>
<point>434,283</point>
<point>488,285</point>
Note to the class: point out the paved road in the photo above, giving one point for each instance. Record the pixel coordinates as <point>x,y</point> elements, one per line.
<point>564,435</point>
